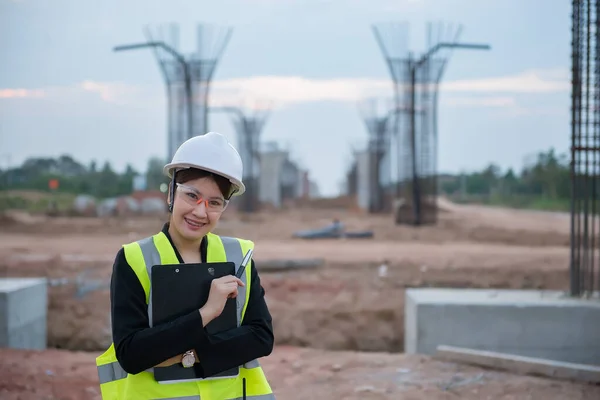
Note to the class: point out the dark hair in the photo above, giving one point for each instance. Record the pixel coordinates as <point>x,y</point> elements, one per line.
<point>191,174</point>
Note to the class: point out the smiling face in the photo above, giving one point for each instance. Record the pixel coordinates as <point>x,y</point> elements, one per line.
<point>199,203</point>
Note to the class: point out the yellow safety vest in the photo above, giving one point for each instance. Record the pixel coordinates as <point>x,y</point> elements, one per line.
<point>116,384</point>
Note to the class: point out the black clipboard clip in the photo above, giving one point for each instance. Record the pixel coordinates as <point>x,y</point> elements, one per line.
<point>245,262</point>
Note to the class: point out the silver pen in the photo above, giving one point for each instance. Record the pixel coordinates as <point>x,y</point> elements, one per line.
<point>245,261</point>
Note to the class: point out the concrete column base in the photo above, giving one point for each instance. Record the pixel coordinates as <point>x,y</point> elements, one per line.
<point>531,323</point>
<point>23,310</point>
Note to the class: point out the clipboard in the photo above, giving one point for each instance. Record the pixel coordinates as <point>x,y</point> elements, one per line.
<point>179,289</point>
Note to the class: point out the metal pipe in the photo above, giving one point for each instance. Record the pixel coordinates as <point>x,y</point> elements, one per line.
<point>440,46</point>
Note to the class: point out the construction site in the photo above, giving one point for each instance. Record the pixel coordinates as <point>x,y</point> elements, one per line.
<point>339,319</point>
<point>391,290</point>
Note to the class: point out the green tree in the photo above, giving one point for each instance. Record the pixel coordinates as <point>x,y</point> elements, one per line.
<point>154,173</point>
<point>106,183</point>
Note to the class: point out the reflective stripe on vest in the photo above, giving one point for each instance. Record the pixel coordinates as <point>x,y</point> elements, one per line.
<point>113,371</point>
<point>259,397</point>
<point>157,250</point>
<point>233,252</point>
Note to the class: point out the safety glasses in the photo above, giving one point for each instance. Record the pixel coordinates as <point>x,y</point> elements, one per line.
<point>193,197</point>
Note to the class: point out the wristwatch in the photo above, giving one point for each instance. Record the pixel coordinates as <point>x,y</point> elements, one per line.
<point>188,359</point>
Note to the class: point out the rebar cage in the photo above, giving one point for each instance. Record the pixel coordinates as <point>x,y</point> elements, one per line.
<point>188,79</point>
<point>585,148</point>
<point>416,83</point>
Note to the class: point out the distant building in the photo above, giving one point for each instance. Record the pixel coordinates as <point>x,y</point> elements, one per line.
<point>310,189</point>
<point>363,181</point>
<point>281,178</point>
<point>140,183</point>
<point>369,183</point>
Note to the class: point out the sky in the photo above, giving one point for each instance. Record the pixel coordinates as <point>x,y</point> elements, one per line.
<point>64,91</point>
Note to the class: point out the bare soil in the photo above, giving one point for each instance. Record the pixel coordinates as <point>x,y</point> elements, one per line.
<point>299,374</point>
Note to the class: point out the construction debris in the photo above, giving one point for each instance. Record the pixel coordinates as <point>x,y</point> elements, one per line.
<point>82,284</point>
<point>333,231</point>
<point>287,265</point>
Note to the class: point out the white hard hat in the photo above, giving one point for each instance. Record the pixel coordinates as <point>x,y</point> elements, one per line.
<point>210,152</point>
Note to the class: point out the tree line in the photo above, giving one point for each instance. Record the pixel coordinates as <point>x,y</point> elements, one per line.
<point>543,182</point>
<point>75,177</point>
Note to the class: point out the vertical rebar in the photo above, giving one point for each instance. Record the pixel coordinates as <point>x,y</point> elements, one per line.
<point>573,165</point>
<point>596,144</point>
<point>585,146</point>
<point>248,128</point>
<point>416,193</point>
<point>376,118</point>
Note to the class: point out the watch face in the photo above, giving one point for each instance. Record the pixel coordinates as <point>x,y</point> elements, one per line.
<point>188,360</point>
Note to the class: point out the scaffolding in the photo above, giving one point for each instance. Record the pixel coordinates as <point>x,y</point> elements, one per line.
<point>585,148</point>
<point>249,124</point>
<point>187,77</point>
<point>416,82</point>
<point>376,114</point>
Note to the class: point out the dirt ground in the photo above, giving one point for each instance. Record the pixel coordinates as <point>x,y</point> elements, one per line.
<point>353,302</point>
<point>302,373</point>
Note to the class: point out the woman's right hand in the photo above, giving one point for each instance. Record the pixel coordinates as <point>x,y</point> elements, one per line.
<point>220,290</point>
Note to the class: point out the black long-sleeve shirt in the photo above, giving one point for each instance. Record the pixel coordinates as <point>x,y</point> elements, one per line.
<point>139,347</point>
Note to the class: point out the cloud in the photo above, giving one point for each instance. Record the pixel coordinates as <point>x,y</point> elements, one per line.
<point>533,81</point>
<point>21,93</point>
<point>111,93</point>
<point>116,93</point>
<point>87,98</point>
<point>284,91</point>
<point>504,106</point>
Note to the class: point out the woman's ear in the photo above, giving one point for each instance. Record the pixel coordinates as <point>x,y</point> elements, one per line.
<point>169,193</point>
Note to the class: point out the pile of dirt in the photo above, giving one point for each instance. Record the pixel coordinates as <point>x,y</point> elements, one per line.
<point>354,307</point>
<point>17,217</point>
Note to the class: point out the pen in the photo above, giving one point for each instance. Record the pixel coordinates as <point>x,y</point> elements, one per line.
<point>245,261</point>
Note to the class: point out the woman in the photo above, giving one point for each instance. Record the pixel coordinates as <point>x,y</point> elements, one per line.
<point>206,171</point>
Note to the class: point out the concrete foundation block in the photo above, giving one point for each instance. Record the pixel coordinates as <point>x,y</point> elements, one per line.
<point>530,323</point>
<point>23,311</point>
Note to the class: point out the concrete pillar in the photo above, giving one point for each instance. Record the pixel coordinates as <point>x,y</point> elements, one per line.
<point>530,323</point>
<point>290,180</point>
<point>271,165</point>
<point>385,169</point>
<point>363,175</point>
<point>23,310</point>
<point>305,194</point>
